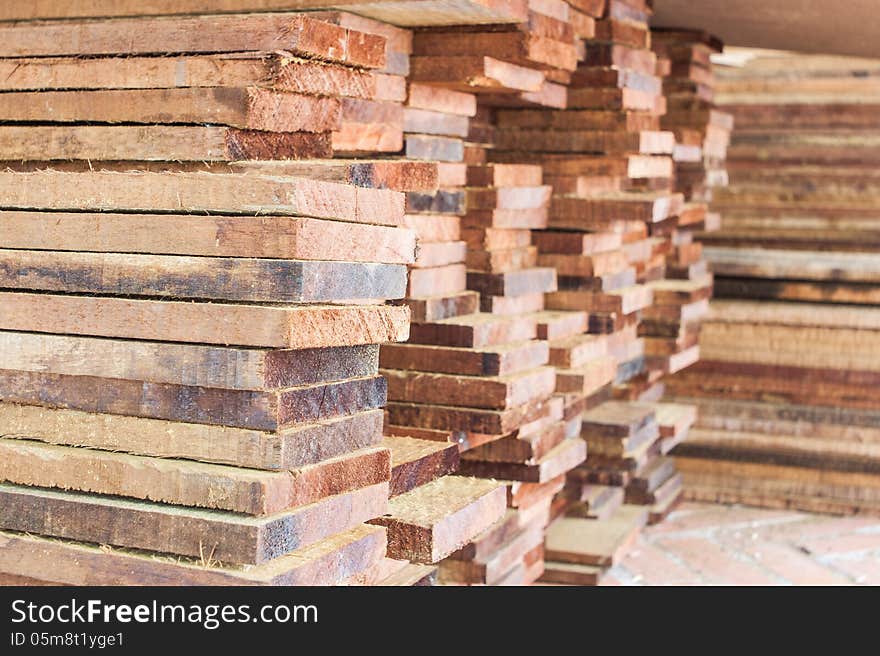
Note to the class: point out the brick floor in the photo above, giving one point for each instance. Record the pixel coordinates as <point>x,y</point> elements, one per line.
<point>705,544</point>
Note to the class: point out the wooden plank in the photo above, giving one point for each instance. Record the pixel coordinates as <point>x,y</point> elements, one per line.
<point>474,74</point>
<point>185,364</point>
<point>490,361</point>
<point>595,542</point>
<point>230,279</point>
<point>436,519</point>
<point>260,410</point>
<point>70,563</point>
<point>437,99</point>
<point>186,483</point>
<point>496,392</point>
<point>586,141</point>
<point>273,237</point>
<point>416,462</point>
<point>294,33</point>
<point>159,143</point>
<point>248,108</point>
<point>220,536</point>
<point>407,12</point>
<point>468,420</point>
<point>567,455</point>
<point>268,70</point>
<point>302,445</point>
<point>521,447</point>
<point>198,192</point>
<point>208,323</point>
<point>473,331</point>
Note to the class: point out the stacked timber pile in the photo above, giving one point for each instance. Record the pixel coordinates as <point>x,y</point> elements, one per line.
<point>481,379</point>
<point>191,339</point>
<point>788,409</point>
<point>612,223</point>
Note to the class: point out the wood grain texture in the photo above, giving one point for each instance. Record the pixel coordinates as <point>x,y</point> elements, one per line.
<point>199,192</point>
<point>296,447</point>
<point>272,237</point>
<point>220,536</point>
<point>230,279</point>
<point>297,34</point>
<point>293,327</point>
<point>70,563</point>
<point>187,483</point>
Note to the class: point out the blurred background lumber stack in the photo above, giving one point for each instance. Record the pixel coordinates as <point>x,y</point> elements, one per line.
<point>788,409</point>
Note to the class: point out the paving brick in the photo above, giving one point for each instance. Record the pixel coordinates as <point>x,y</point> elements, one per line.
<point>715,563</point>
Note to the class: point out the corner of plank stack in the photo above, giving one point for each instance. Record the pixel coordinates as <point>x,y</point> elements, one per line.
<point>211,223</point>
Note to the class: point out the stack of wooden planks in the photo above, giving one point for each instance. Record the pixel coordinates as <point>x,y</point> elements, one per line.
<point>788,414</point>
<point>613,229</point>
<point>190,338</point>
<point>215,211</point>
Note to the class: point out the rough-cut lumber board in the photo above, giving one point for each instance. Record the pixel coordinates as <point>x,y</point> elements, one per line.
<point>595,501</point>
<point>572,574</point>
<point>618,419</point>
<point>416,462</point>
<point>405,12</point>
<point>442,280</point>
<point>218,536</point>
<point>508,198</point>
<point>437,308</point>
<point>474,74</point>
<point>437,99</point>
<point>504,175</point>
<point>440,254</point>
<point>624,301</point>
<point>185,364</point>
<point>199,192</point>
<point>179,143</point>
<point>492,361</point>
<point>473,331</point>
<point>587,379</point>
<point>493,569</point>
<point>432,521</point>
<point>187,483</point>
<point>230,279</point>
<point>288,449</point>
<point>586,141</point>
<point>260,410</point>
<point>294,33</point>
<point>572,119</point>
<point>394,174</point>
<point>559,325</point>
<point>525,49</point>
<point>513,283</point>
<point>567,455</point>
<point>478,392</point>
<point>70,563</point>
<point>425,121</point>
<point>279,237</point>
<point>249,108</point>
<point>595,542</point>
<point>293,327</point>
<point>520,447</point>
<point>369,126</point>
<point>270,70</point>
<point>469,420</point>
